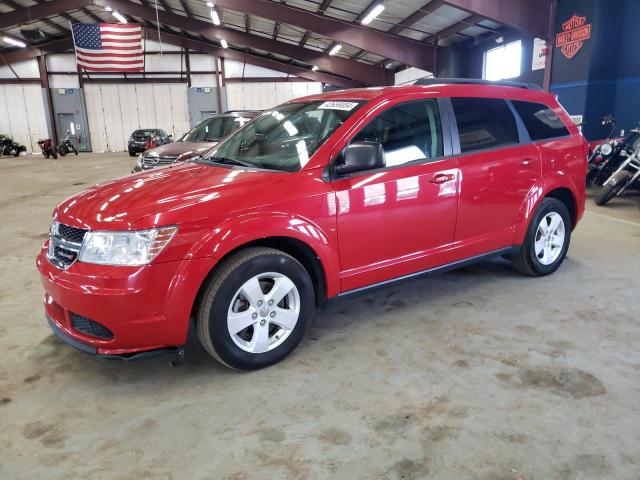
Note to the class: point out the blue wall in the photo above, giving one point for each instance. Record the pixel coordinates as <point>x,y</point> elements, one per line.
<point>604,77</point>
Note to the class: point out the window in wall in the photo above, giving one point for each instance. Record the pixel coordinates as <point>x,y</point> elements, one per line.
<point>503,62</point>
<point>540,121</point>
<point>408,132</point>
<point>484,123</point>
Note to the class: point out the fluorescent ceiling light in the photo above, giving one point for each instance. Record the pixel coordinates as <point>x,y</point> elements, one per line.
<point>120,17</point>
<point>14,41</point>
<point>314,68</point>
<point>224,43</point>
<point>373,13</point>
<point>210,4</point>
<point>336,48</point>
<point>108,9</point>
<point>215,17</point>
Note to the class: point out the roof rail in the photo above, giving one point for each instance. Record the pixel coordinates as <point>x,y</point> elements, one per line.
<point>476,81</point>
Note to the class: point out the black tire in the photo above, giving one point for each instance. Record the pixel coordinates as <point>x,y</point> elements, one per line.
<point>74,150</point>
<point>15,153</point>
<point>54,155</point>
<point>62,152</point>
<point>211,316</point>
<point>131,154</point>
<point>612,187</point>
<point>525,259</point>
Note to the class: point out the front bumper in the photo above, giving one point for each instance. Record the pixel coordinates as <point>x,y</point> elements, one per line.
<point>136,148</point>
<point>146,308</point>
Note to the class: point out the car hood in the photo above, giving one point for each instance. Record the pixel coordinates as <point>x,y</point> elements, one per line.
<point>119,204</point>
<point>182,150</point>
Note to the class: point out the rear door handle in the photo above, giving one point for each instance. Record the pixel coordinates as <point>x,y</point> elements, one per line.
<point>441,178</point>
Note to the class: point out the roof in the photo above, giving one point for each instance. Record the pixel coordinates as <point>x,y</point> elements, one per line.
<point>438,89</point>
<point>425,21</point>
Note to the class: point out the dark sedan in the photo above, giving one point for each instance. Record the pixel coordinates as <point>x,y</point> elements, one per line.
<point>139,138</point>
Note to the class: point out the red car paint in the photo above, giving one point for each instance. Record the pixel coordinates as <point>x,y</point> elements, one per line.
<point>475,203</point>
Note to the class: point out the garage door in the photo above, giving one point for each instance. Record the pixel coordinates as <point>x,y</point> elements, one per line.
<point>260,96</point>
<point>23,115</point>
<point>115,111</point>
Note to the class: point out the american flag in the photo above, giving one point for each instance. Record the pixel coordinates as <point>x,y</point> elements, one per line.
<point>109,47</point>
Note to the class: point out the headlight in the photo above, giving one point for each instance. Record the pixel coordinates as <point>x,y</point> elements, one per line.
<point>140,160</point>
<point>125,248</point>
<point>606,149</point>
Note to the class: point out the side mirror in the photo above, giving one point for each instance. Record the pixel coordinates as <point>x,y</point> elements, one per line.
<point>361,156</point>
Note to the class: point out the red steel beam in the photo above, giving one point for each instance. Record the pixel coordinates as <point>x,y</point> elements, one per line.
<point>361,72</point>
<point>198,46</point>
<point>42,10</point>
<point>57,46</point>
<point>402,49</point>
<point>530,17</point>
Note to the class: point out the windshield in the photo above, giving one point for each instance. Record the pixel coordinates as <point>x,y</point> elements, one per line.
<point>214,129</point>
<point>286,137</point>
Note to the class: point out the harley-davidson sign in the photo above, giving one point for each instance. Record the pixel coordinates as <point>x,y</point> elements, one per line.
<point>574,32</point>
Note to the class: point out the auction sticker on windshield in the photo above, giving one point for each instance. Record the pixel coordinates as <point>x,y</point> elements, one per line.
<point>346,106</point>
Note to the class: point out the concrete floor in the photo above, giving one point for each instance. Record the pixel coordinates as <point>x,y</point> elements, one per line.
<point>479,373</point>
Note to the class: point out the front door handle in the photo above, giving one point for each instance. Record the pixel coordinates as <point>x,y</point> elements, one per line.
<point>525,162</point>
<point>441,178</point>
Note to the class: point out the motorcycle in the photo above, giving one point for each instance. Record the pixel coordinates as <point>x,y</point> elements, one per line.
<point>624,178</point>
<point>46,145</point>
<point>609,155</point>
<point>66,146</point>
<point>9,147</point>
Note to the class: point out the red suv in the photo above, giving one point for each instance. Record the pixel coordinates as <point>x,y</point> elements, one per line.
<point>320,197</point>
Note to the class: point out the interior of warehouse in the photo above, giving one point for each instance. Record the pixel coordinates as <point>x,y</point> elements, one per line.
<point>308,239</point>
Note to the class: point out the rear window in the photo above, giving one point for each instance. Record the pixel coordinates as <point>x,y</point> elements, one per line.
<point>540,121</point>
<point>484,123</point>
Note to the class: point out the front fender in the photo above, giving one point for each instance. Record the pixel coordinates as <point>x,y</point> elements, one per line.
<point>247,228</point>
<point>538,192</point>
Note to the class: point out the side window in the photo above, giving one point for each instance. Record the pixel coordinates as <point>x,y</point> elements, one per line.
<point>408,132</point>
<point>540,121</point>
<point>484,123</point>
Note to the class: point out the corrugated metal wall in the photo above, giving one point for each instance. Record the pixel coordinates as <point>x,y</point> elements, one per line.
<point>23,115</point>
<point>115,111</point>
<point>260,96</point>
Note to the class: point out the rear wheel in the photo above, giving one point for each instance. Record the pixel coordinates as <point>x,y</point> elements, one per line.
<point>256,309</point>
<point>547,240</point>
<point>613,186</point>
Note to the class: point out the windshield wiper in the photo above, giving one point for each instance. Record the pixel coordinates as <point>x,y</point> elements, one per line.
<point>231,161</point>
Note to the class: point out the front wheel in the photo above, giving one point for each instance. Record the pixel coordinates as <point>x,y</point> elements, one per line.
<point>54,154</point>
<point>613,187</point>
<point>547,240</point>
<point>256,309</point>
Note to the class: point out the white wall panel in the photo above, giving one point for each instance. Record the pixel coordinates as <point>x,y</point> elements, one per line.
<point>264,95</point>
<point>26,69</point>
<point>64,81</point>
<point>202,62</point>
<point>95,114</point>
<point>234,69</point>
<point>61,62</point>
<point>179,109</point>
<point>116,110</point>
<point>163,63</point>
<point>410,75</point>
<point>27,121</point>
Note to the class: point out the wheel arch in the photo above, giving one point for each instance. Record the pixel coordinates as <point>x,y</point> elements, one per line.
<point>559,188</point>
<point>298,249</point>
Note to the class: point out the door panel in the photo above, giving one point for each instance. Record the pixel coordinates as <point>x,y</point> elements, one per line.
<point>493,189</point>
<point>395,222</point>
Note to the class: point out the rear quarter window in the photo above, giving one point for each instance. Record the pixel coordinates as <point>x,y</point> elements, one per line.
<point>540,121</point>
<point>484,123</point>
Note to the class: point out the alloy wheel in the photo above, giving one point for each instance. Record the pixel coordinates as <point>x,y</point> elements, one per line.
<point>550,237</point>
<point>263,312</point>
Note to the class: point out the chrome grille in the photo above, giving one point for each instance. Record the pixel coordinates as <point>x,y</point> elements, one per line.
<point>64,244</point>
<point>154,161</point>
